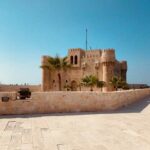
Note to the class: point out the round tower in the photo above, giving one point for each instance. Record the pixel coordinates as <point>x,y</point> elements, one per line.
<point>108,63</point>
<point>123,70</point>
<point>45,74</point>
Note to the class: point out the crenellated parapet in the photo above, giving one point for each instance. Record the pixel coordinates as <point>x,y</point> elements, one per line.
<point>108,55</point>
<point>75,49</point>
<point>90,54</point>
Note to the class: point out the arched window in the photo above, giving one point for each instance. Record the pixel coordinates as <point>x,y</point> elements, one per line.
<point>76,59</point>
<point>71,59</point>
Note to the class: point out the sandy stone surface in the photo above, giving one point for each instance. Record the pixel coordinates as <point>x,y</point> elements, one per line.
<point>125,129</point>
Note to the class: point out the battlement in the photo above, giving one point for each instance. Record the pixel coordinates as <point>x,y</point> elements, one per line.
<point>75,49</point>
<point>108,55</point>
<point>109,51</point>
<point>93,50</point>
<point>93,53</point>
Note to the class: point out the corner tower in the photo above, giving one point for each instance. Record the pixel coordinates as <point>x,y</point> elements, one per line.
<point>124,70</point>
<point>45,74</point>
<point>108,63</point>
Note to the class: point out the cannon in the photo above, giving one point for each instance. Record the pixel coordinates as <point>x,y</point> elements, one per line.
<point>24,93</point>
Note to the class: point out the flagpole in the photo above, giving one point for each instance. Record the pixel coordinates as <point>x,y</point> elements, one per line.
<point>86,39</point>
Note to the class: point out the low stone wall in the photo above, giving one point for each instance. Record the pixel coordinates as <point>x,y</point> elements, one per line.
<point>11,95</point>
<point>49,102</point>
<point>15,88</point>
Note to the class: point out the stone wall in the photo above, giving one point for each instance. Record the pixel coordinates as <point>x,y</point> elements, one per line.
<point>15,88</point>
<point>50,102</point>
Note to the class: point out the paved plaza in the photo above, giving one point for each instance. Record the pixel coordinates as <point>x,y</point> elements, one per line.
<point>125,129</point>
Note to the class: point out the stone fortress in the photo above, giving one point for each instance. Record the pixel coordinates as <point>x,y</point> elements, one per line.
<point>100,63</point>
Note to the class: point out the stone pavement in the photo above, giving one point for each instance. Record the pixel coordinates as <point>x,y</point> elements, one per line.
<point>125,129</point>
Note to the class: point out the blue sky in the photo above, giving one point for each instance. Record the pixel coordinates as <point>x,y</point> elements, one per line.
<point>31,28</point>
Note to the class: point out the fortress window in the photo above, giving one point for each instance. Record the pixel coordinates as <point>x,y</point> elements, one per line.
<point>76,59</point>
<point>66,81</point>
<point>71,59</point>
<point>53,81</point>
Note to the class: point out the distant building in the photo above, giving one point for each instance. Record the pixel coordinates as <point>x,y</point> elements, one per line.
<point>138,86</point>
<point>101,63</point>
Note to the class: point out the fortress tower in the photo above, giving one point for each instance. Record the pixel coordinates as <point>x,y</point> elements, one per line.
<point>45,74</point>
<point>75,56</point>
<point>100,63</point>
<point>123,70</point>
<point>108,62</point>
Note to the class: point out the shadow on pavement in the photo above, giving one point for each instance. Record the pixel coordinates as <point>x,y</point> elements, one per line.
<point>136,107</point>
